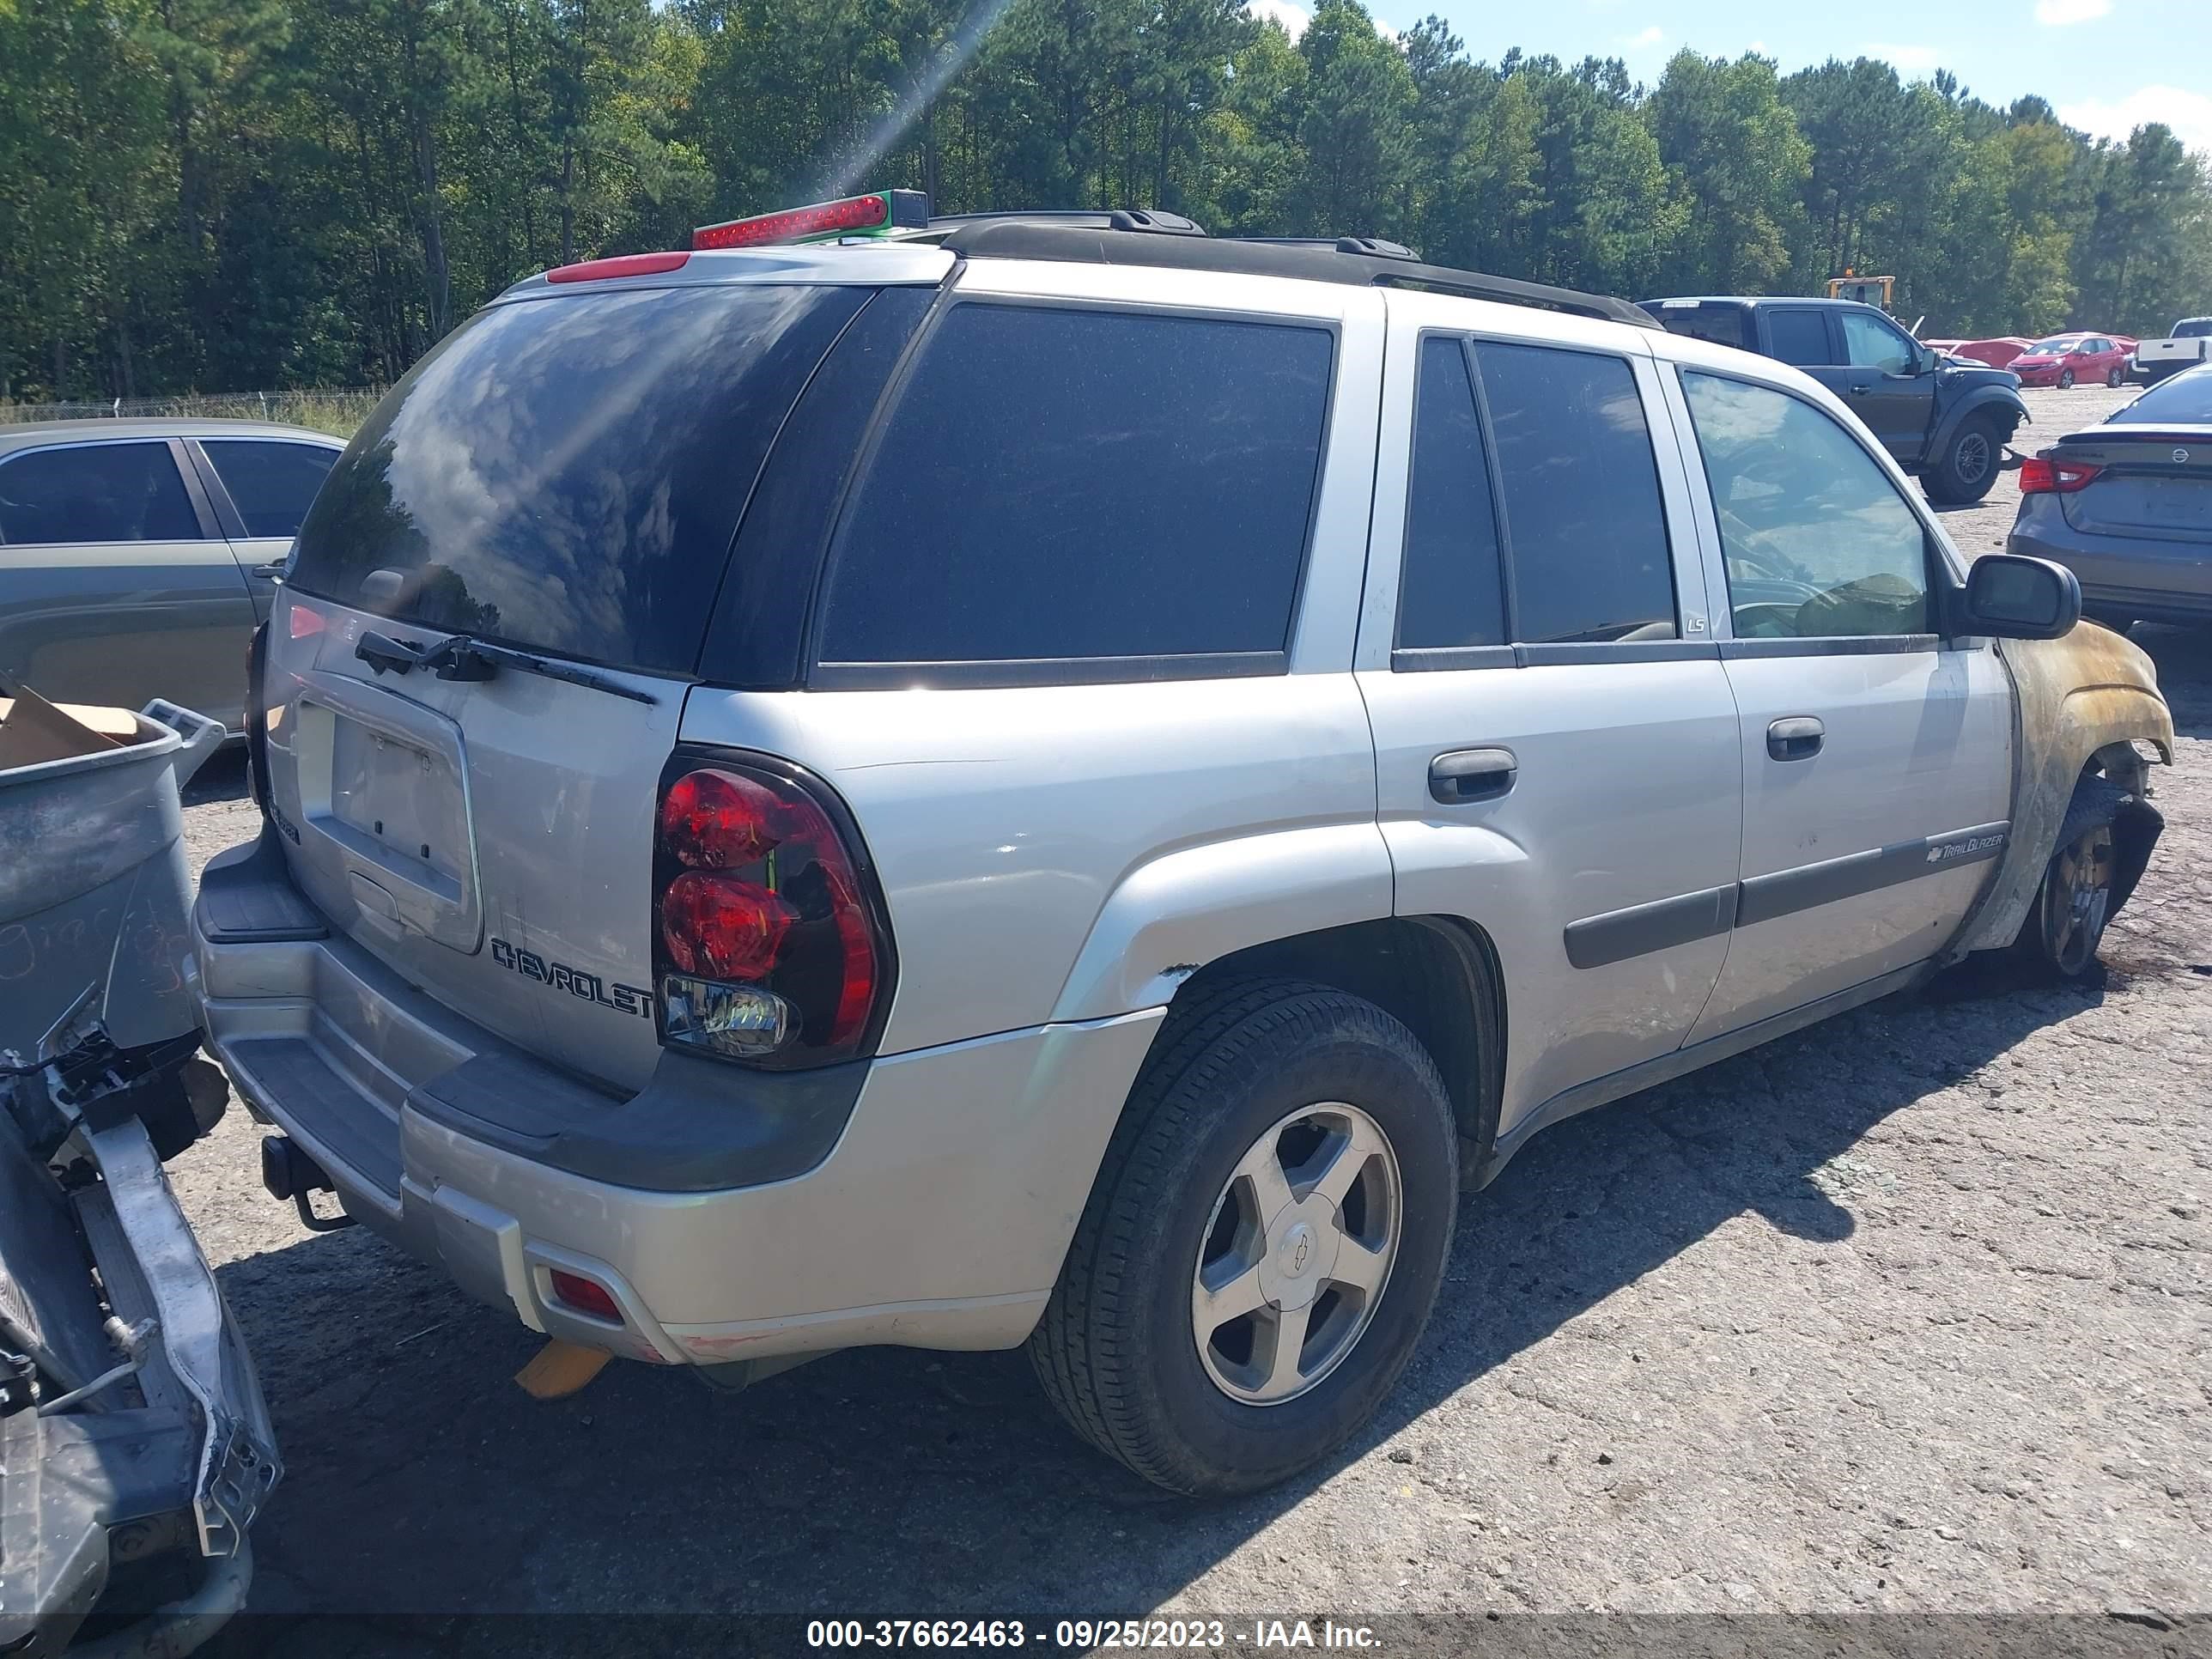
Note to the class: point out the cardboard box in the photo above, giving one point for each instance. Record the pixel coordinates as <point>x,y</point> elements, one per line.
<point>33,731</point>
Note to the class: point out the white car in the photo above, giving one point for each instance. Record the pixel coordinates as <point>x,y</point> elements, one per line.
<point>2188,345</point>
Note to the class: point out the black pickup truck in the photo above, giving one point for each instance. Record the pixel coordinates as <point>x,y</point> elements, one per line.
<point>1945,423</point>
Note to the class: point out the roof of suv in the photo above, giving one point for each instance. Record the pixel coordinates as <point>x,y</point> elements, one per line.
<point>1110,237</point>
<point>1348,261</point>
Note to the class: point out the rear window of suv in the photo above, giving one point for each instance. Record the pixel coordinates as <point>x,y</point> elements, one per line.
<point>1085,486</point>
<point>567,473</point>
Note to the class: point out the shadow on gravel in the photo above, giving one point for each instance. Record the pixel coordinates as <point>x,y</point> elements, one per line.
<point>421,1480</point>
<point>221,777</point>
<point>2184,656</point>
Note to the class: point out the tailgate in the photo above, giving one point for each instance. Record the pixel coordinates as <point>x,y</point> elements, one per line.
<point>489,840</point>
<point>548,499</point>
<point>2152,483</point>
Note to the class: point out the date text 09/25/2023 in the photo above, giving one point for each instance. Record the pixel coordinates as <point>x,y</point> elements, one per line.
<point>1084,1635</point>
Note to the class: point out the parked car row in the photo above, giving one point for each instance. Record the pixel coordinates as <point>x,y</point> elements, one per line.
<point>2059,359</point>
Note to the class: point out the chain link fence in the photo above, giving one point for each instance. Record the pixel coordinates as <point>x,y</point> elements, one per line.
<point>338,410</point>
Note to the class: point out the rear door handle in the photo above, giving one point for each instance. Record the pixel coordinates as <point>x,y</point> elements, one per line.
<point>1798,737</point>
<point>1465,775</point>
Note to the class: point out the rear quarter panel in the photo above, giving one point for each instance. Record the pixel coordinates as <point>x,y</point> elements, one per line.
<point>1063,853</point>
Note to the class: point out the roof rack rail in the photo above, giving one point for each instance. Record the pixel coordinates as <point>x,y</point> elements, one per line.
<point>1374,245</point>
<point>1030,236</point>
<point>1157,220</point>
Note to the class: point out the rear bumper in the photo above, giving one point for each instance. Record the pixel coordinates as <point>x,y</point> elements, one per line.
<point>2146,579</point>
<point>924,1199</point>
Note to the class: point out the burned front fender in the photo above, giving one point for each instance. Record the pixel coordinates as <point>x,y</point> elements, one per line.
<point>2088,697</point>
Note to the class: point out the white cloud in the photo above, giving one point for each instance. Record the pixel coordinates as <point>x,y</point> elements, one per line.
<point>1907,61</point>
<point>1759,46</point>
<point>1294,17</point>
<point>2057,14</point>
<point>2189,113</point>
<point>1643,40</point>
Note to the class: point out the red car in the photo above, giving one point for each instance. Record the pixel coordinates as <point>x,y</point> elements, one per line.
<point>1997,353</point>
<point>2062,360</point>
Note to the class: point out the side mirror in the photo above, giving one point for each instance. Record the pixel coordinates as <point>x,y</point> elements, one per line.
<point>2009,597</point>
<point>1930,360</point>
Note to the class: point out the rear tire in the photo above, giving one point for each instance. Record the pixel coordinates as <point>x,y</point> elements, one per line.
<point>1259,1090</point>
<point>2117,378</point>
<point>1965,472</point>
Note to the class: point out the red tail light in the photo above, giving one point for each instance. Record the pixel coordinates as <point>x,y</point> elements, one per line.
<point>723,927</point>
<point>770,945</point>
<point>2043,477</point>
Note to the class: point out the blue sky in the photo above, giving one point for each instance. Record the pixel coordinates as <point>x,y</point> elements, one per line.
<point>2107,64</point>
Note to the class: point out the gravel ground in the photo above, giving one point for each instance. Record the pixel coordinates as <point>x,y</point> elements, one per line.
<point>1909,1312</point>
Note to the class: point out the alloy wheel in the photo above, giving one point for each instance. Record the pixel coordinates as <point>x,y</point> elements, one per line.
<point>1970,458</point>
<point>1296,1254</point>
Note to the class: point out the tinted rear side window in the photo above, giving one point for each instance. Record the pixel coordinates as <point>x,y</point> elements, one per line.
<point>567,473</point>
<point>1451,593</point>
<point>2187,399</point>
<point>1583,520</point>
<point>1801,337</point>
<point>95,493</point>
<point>271,484</point>
<point>1722,325</point>
<point>1055,483</point>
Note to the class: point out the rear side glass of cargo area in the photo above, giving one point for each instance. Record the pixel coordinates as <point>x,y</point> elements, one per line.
<point>567,473</point>
<point>1120,495</point>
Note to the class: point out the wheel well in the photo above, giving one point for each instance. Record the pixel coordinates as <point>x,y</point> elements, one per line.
<point>1438,974</point>
<point>2135,822</point>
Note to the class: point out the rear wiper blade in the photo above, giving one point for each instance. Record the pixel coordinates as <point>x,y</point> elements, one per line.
<point>461,657</point>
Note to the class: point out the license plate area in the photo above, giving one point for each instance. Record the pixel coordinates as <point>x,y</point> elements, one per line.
<point>2174,505</point>
<point>400,800</point>
<point>383,801</point>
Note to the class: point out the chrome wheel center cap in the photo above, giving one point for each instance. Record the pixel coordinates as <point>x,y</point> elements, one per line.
<point>1301,1247</point>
